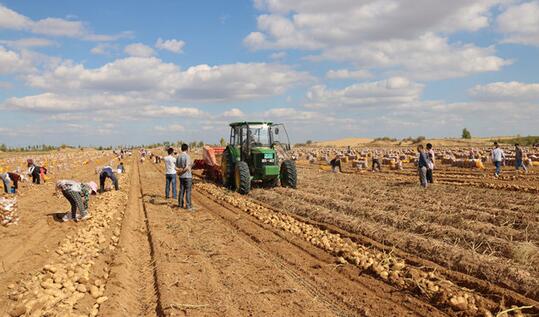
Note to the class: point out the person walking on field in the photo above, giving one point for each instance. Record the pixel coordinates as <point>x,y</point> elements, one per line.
<point>170,174</point>
<point>183,168</point>
<point>498,156</point>
<point>430,169</point>
<point>422,165</point>
<point>519,159</point>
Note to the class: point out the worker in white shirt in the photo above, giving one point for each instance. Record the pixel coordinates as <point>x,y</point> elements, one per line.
<point>497,158</point>
<point>170,174</point>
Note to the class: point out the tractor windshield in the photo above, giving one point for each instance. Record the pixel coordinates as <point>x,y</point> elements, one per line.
<point>259,135</point>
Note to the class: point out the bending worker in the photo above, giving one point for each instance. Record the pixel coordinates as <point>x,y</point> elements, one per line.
<point>107,172</point>
<point>78,195</point>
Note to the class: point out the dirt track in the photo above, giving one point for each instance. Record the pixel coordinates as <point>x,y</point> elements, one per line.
<point>222,260</point>
<point>218,261</point>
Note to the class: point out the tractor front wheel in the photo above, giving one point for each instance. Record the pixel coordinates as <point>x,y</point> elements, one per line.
<point>242,178</point>
<point>289,174</point>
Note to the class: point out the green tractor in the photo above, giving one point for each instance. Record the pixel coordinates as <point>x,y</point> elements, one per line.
<point>257,153</point>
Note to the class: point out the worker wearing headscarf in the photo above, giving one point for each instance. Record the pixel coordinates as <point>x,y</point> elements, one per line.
<point>78,195</point>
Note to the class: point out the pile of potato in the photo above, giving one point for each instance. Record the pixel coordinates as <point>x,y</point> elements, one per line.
<point>68,278</point>
<point>8,211</point>
<point>432,286</point>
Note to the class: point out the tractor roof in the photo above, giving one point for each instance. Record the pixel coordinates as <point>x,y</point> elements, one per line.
<point>240,123</point>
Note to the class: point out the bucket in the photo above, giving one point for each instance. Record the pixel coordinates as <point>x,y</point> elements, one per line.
<point>13,190</point>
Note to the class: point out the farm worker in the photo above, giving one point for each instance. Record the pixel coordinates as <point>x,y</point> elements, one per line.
<point>336,162</point>
<point>6,180</point>
<point>170,174</point>
<point>376,161</point>
<point>430,154</point>
<point>78,195</point>
<point>497,157</point>
<point>15,178</point>
<point>183,168</point>
<point>35,171</point>
<point>519,159</point>
<point>422,165</point>
<point>107,172</point>
<point>120,168</point>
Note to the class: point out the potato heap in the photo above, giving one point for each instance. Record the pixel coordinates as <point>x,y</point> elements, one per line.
<point>70,277</point>
<point>8,211</point>
<point>430,285</point>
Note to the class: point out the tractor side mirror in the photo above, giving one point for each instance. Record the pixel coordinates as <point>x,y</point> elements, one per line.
<point>276,131</point>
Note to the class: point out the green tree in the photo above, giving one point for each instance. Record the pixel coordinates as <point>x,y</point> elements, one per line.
<point>466,134</point>
<point>201,144</point>
<point>222,142</point>
<point>309,142</point>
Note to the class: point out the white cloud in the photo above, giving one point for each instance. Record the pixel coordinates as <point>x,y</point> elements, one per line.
<point>162,111</point>
<point>170,128</point>
<point>153,79</point>
<point>411,41</point>
<point>103,49</point>
<point>310,24</point>
<point>278,55</point>
<point>55,102</point>
<point>427,57</point>
<point>233,113</point>
<point>28,43</point>
<point>10,19</point>
<point>12,62</point>
<point>139,50</point>
<point>348,74</point>
<point>396,91</point>
<point>172,45</point>
<point>520,23</point>
<point>506,91</point>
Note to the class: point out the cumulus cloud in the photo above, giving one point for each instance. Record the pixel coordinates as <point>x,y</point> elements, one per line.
<point>520,23</point>
<point>10,19</point>
<point>152,78</point>
<point>28,43</point>
<point>348,74</point>
<point>233,113</point>
<point>427,57</point>
<point>12,62</point>
<point>396,91</point>
<point>506,91</point>
<point>163,111</point>
<point>139,50</point>
<point>170,128</point>
<point>172,45</point>
<point>412,36</point>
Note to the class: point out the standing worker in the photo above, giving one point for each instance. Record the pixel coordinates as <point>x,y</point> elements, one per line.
<point>107,172</point>
<point>170,174</point>
<point>422,165</point>
<point>183,168</point>
<point>430,169</point>
<point>497,157</point>
<point>78,195</point>
<point>519,159</point>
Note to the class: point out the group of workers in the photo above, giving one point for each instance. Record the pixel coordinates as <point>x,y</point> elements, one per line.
<point>76,193</point>
<point>179,166</point>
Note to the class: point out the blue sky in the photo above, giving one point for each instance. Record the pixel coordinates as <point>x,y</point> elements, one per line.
<point>132,72</point>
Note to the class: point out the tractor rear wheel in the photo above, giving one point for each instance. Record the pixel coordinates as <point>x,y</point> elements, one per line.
<point>227,167</point>
<point>242,178</point>
<point>289,174</point>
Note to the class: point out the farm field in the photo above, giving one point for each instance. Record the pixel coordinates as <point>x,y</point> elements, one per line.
<point>355,243</point>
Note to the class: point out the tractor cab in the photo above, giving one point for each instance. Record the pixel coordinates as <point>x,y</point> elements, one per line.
<point>262,147</point>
